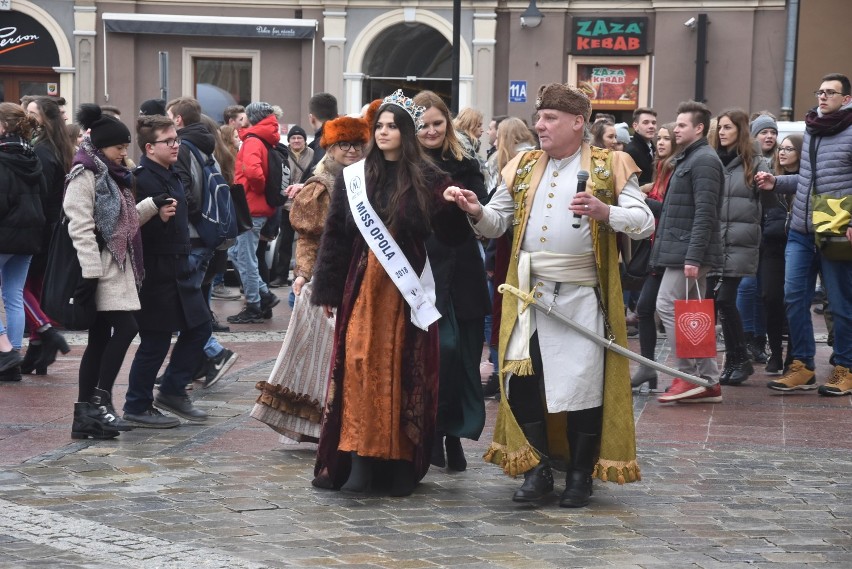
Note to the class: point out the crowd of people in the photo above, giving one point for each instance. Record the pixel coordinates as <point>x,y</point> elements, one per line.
<point>403,228</point>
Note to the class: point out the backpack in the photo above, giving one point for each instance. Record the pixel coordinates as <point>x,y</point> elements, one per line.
<point>278,172</point>
<point>218,220</point>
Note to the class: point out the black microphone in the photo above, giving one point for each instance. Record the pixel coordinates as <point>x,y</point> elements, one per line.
<point>582,178</point>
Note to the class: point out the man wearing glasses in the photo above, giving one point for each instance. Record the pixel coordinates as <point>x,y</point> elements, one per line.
<point>171,298</point>
<point>826,168</point>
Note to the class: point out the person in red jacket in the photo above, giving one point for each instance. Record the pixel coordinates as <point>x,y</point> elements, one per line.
<point>251,171</point>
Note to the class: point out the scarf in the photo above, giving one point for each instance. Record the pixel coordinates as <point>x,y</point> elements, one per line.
<point>818,124</point>
<point>726,156</point>
<point>115,214</point>
<point>14,144</point>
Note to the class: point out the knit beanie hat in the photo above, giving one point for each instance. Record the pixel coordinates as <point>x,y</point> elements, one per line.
<point>153,107</point>
<point>256,112</point>
<point>106,131</point>
<point>296,130</point>
<point>762,122</point>
<point>622,133</point>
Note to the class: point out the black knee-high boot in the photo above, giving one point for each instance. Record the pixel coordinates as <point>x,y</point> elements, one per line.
<point>538,481</point>
<point>578,480</point>
<point>438,458</point>
<point>455,454</point>
<point>583,432</point>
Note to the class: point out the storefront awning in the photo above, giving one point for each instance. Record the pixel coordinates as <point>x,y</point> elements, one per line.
<point>212,26</point>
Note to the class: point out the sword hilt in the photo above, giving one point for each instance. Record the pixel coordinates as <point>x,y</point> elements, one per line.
<point>526,298</point>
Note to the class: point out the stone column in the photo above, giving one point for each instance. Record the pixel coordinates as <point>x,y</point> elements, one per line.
<point>334,38</point>
<point>484,40</point>
<point>85,36</point>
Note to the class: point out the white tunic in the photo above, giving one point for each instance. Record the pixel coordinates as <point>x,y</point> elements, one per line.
<point>573,365</point>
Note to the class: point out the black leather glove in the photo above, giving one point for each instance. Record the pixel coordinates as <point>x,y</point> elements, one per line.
<point>85,291</point>
<point>161,200</point>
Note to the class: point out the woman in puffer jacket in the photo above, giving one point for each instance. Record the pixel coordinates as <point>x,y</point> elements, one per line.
<point>21,222</point>
<point>740,216</point>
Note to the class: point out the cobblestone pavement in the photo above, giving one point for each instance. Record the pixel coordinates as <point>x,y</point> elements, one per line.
<point>761,480</point>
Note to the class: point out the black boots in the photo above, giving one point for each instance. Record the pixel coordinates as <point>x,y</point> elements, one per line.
<point>89,421</point>
<point>360,475</point>
<point>438,459</point>
<point>103,401</point>
<point>756,346</point>
<point>454,459</point>
<point>578,480</point>
<point>455,455</point>
<point>738,367</point>
<point>538,481</point>
<point>51,342</point>
<point>11,374</point>
<point>32,356</point>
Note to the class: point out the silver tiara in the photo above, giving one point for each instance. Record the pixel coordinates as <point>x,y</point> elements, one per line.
<point>406,104</point>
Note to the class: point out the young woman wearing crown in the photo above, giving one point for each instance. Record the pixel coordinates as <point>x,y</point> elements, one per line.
<point>373,272</point>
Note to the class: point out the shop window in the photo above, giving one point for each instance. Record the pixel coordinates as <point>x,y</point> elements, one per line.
<point>219,79</point>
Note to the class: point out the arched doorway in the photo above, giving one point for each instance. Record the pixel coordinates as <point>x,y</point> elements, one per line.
<point>410,56</point>
<point>28,56</point>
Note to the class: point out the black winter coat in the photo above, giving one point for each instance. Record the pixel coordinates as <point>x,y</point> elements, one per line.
<point>688,231</point>
<point>22,187</point>
<point>459,271</point>
<point>638,149</point>
<point>54,177</point>
<point>170,295</point>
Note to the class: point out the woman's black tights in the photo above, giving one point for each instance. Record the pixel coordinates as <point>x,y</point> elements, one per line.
<point>109,339</point>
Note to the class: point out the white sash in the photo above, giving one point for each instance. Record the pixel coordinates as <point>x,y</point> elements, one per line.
<point>419,293</point>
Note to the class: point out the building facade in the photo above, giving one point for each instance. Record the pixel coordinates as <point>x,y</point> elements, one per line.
<point>624,54</point>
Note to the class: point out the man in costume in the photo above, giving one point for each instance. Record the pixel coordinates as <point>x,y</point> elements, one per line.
<point>569,399</point>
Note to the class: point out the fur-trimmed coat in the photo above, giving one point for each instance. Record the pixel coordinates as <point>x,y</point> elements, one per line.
<point>308,214</point>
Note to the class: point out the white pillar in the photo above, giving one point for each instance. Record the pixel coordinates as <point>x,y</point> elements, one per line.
<point>354,92</point>
<point>484,40</point>
<point>334,38</point>
<point>85,36</point>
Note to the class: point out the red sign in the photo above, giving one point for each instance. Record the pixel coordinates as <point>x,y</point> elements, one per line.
<point>610,87</point>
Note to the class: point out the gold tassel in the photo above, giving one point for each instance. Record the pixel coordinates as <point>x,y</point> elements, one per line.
<point>515,462</point>
<point>518,367</point>
<point>622,472</point>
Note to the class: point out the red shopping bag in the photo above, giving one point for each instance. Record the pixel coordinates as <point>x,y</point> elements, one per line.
<point>695,327</point>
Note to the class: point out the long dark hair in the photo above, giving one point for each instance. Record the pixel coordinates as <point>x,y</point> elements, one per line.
<point>221,151</point>
<point>744,145</point>
<point>53,131</point>
<point>411,172</point>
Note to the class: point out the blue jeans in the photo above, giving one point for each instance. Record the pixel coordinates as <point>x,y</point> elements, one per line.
<point>802,265</point>
<point>750,305</point>
<point>199,259</point>
<point>13,275</point>
<point>244,255</point>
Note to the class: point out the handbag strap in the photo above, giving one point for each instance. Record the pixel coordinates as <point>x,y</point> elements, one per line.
<point>697,288</point>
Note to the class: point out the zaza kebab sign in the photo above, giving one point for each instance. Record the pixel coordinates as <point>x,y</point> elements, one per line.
<point>610,36</point>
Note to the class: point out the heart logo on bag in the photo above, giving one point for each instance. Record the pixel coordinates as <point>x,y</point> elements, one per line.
<point>694,326</point>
